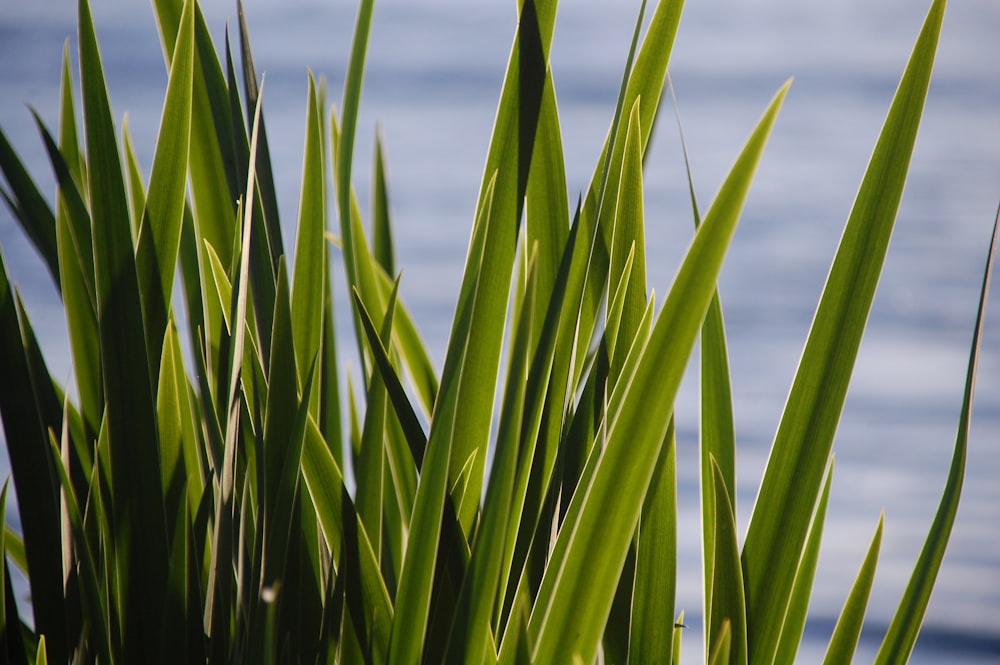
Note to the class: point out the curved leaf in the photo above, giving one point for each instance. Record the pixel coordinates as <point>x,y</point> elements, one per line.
<point>805,435</point>
<point>845,636</point>
<point>599,525</point>
<point>902,634</point>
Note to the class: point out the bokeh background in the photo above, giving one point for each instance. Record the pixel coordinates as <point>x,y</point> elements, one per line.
<point>434,73</point>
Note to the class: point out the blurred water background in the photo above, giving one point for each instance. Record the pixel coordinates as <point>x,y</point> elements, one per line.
<point>435,70</point>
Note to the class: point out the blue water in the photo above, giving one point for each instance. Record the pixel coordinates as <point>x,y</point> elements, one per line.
<point>435,69</point>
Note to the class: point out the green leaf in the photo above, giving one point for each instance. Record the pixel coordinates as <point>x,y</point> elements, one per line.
<point>798,606</point>
<point>413,597</point>
<point>265,174</point>
<point>14,548</point>
<point>382,250</point>
<point>9,640</point>
<point>487,278</point>
<point>568,616</point>
<point>471,629</point>
<point>30,406</point>
<point>805,435</point>
<point>717,430</point>
<point>368,601</point>
<point>412,429</point>
<point>372,464</point>
<point>106,639</point>
<point>628,239</point>
<point>162,217</point>
<point>76,259</point>
<point>902,633</point>
<point>310,272</point>
<point>644,77</point>
<point>845,636</point>
<point>547,217</point>
<point>616,309</point>
<point>728,623</point>
<point>678,634</point>
<point>547,395</point>
<point>722,646</point>
<point>656,564</point>
<point>41,656</point>
<point>29,207</point>
<point>413,352</point>
<point>281,446</point>
<point>135,180</point>
<point>344,139</point>
<point>219,597</point>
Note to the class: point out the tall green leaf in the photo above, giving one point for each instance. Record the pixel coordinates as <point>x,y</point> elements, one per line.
<point>162,217</point>
<point>902,634</point>
<point>487,279</point>
<point>471,630</point>
<point>413,597</point>
<point>140,522</point>
<point>798,605</point>
<point>368,603</point>
<point>728,622</point>
<point>310,271</point>
<point>805,435</point>
<point>654,589</point>
<point>382,249</point>
<point>29,207</point>
<point>717,437</point>
<point>590,550</point>
<point>76,261</point>
<point>845,636</point>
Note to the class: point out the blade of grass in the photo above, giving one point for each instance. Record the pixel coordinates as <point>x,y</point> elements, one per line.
<point>546,397</point>
<point>162,217</point>
<point>11,644</point>
<point>310,274</point>
<point>382,249</point>
<point>798,605</point>
<point>471,629</point>
<point>412,429</point>
<point>368,601</point>
<point>805,435</point>
<point>487,280</point>
<point>265,174</point>
<point>141,548</point>
<point>722,647</point>
<point>717,429</point>
<point>219,597</point>
<point>76,258</point>
<point>107,644</point>
<point>728,623</point>
<point>599,525</point>
<point>644,76</point>
<point>547,217</point>
<point>29,406</point>
<point>902,633</point>
<point>413,596</point>
<point>135,180</point>
<point>628,240</point>
<point>845,636</point>
<point>29,207</point>
<point>656,564</point>
<point>412,350</point>
<point>344,139</point>
<point>214,183</point>
<point>371,469</point>
<point>281,446</point>
<point>678,634</point>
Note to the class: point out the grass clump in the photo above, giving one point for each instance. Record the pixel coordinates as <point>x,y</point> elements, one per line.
<point>191,502</point>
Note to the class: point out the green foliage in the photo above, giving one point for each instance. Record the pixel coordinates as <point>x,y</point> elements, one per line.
<point>193,504</point>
